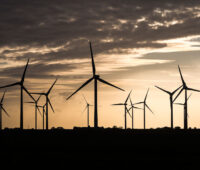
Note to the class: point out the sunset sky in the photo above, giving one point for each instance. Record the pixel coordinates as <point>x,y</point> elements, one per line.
<point>137,44</point>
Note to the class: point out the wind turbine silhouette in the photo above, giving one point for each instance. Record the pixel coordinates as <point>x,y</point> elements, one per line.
<point>125,109</point>
<point>88,111</point>
<point>2,108</point>
<point>186,88</point>
<point>35,102</point>
<point>22,87</point>
<point>96,78</point>
<point>47,102</point>
<point>185,115</point>
<point>132,115</point>
<point>171,94</point>
<point>144,107</point>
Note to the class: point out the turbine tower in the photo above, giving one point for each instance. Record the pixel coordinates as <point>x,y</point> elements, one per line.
<point>171,94</point>
<point>185,115</point>
<point>132,115</point>
<point>43,114</point>
<point>35,102</point>
<point>47,102</point>
<point>22,88</point>
<point>2,108</point>
<point>88,111</point>
<point>186,88</point>
<point>96,78</point>
<point>125,109</point>
<point>144,107</point>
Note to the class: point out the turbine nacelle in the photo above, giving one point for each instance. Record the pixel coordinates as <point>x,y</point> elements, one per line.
<point>96,76</point>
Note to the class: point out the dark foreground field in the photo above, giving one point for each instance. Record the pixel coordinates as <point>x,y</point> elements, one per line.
<point>106,148</point>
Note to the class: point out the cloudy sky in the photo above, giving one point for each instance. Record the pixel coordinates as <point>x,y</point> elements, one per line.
<point>136,43</point>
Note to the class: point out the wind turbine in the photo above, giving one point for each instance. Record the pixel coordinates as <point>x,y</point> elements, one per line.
<point>171,94</point>
<point>47,102</point>
<point>132,115</point>
<point>22,87</point>
<point>144,107</point>
<point>35,102</point>
<point>96,78</point>
<point>88,111</point>
<point>186,88</point>
<point>125,109</point>
<point>185,115</point>
<point>2,108</point>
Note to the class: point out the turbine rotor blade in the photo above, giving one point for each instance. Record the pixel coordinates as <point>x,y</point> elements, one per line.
<point>128,112</point>
<point>134,107</point>
<point>137,107</point>
<point>5,111</point>
<point>131,102</point>
<point>43,108</point>
<point>39,110</point>
<point>138,103</point>
<point>179,104</point>
<point>189,96</point>
<point>38,98</point>
<point>3,97</point>
<point>28,93</point>
<point>181,75</point>
<point>24,73</point>
<point>162,89</point>
<point>80,88</point>
<point>39,93</point>
<point>117,104</point>
<point>105,82</point>
<point>178,95</point>
<point>30,102</point>
<point>84,109</point>
<point>93,64</point>
<point>50,104</point>
<point>10,85</point>
<point>149,108</point>
<point>44,105</point>
<point>146,95</point>
<point>177,89</point>
<point>193,89</point>
<point>85,99</point>
<point>128,96</point>
<point>52,86</point>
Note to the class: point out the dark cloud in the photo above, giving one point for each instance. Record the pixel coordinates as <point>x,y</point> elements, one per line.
<point>69,24</point>
<point>49,30</point>
<point>195,39</point>
<point>187,60</point>
<point>41,71</point>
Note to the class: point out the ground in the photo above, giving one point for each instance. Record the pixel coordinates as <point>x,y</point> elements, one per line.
<point>106,148</point>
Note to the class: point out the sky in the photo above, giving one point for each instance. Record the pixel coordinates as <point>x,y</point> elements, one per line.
<point>137,44</point>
